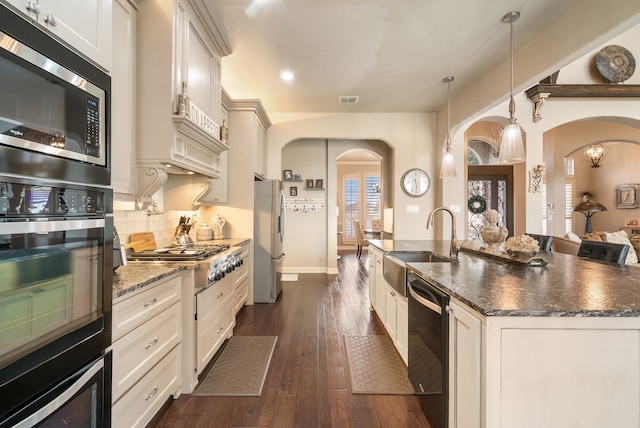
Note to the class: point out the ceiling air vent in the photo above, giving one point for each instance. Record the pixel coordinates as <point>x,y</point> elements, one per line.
<point>348,99</point>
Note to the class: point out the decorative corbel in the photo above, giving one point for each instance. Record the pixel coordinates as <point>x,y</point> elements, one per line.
<point>158,176</point>
<point>206,185</point>
<point>538,101</point>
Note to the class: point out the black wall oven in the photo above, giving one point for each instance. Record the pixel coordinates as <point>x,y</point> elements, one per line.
<point>55,297</point>
<point>53,108</point>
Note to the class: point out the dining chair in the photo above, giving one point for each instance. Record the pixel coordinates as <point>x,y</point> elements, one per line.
<point>360,241</point>
<point>544,241</point>
<point>604,251</point>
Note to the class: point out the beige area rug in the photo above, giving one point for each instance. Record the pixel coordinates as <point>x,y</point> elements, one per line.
<point>289,277</point>
<point>375,366</point>
<point>241,368</point>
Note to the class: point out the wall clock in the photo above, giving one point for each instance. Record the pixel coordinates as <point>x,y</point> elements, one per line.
<point>415,182</point>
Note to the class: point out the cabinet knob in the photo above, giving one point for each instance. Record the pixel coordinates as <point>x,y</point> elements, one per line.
<point>33,6</point>
<point>51,20</point>
<point>448,309</point>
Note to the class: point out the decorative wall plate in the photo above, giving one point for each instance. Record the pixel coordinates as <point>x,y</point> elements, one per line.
<point>615,63</point>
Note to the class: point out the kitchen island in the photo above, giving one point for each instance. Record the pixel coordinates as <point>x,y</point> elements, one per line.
<point>553,346</point>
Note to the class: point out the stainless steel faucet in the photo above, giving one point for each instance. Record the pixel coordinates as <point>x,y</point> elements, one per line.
<point>455,246</point>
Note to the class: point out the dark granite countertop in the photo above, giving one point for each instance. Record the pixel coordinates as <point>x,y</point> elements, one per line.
<point>566,286</point>
<point>137,275</point>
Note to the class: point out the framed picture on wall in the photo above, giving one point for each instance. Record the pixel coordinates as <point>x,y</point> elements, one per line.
<point>287,175</point>
<point>319,183</point>
<point>627,196</point>
<point>309,183</point>
<point>293,191</point>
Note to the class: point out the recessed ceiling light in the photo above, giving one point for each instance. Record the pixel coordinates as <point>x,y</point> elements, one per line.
<point>287,75</point>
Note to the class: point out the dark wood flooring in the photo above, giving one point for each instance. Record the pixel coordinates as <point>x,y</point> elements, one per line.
<point>308,382</point>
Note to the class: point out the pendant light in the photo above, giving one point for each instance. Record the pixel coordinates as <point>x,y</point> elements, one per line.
<point>512,148</point>
<point>448,168</point>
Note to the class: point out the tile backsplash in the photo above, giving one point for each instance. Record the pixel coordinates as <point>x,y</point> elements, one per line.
<point>162,225</point>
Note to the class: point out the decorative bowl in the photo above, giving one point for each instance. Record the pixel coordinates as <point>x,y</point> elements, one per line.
<point>522,256</point>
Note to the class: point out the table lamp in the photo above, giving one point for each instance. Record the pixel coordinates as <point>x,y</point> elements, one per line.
<point>589,208</point>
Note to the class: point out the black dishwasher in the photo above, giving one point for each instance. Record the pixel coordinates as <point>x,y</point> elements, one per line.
<point>428,347</point>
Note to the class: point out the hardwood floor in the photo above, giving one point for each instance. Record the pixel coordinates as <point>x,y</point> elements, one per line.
<point>308,382</point>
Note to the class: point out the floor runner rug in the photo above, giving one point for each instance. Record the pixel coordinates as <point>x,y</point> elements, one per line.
<point>241,368</point>
<point>375,367</point>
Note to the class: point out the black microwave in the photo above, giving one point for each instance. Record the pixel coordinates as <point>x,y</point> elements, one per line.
<point>54,108</point>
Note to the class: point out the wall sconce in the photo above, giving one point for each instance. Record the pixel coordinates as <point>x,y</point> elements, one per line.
<point>595,153</point>
<point>535,179</point>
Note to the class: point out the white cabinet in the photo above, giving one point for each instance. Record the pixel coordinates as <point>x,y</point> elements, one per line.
<point>147,333</point>
<point>388,304</point>
<point>84,26</point>
<point>260,148</point>
<point>248,125</point>
<point>241,280</point>
<point>214,320</point>
<point>465,367</point>
<point>123,178</point>
<point>175,47</point>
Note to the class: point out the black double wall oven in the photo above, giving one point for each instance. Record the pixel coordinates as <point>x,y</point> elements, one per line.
<point>56,233</point>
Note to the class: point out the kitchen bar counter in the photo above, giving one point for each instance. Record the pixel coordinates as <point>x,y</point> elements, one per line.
<point>568,286</point>
<point>137,275</point>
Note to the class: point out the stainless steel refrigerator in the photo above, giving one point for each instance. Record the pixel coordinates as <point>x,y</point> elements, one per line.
<point>268,237</point>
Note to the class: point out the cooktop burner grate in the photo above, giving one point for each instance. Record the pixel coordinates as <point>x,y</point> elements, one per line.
<point>187,253</point>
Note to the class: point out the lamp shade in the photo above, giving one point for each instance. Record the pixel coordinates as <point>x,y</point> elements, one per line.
<point>448,168</point>
<point>512,147</point>
<point>589,208</point>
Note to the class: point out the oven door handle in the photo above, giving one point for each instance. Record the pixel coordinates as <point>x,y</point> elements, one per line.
<point>7,228</point>
<point>425,302</point>
<point>62,399</point>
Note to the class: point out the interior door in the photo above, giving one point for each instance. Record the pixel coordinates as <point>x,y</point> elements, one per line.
<point>489,187</point>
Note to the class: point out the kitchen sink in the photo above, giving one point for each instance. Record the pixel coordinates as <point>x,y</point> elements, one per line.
<point>394,266</point>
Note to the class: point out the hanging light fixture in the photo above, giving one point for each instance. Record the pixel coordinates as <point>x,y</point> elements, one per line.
<point>512,148</point>
<point>595,153</point>
<point>448,168</point>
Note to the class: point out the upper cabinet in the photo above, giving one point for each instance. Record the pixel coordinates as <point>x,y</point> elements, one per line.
<point>123,178</point>
<point>84,26</point>
<point>178,94</point>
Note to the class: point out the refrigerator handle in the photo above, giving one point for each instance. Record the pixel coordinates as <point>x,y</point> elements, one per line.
<point>280,257</point>
<point>281,218</point>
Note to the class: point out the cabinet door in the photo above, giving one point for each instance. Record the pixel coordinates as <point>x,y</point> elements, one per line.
<point>260,147</point>
<point>465,363</point>
<point>123,177</point>
<point>84,25</point>
<point>381,292</point>
<point>402,328</point>
<point>391,323</point>
<point>373,256</point>
<point>26,8</point>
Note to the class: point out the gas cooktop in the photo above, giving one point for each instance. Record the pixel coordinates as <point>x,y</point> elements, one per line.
<point>179,253</point>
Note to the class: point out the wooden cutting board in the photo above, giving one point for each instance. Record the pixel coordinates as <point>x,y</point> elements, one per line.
<point>141,241</point>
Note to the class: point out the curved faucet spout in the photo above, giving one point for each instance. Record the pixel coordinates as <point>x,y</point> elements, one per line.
<point>455,246</point>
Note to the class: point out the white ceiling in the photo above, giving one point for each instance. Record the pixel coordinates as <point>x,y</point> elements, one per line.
<point>393,54</point>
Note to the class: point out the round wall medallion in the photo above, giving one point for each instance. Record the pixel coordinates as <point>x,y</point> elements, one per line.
<point>615,63</point>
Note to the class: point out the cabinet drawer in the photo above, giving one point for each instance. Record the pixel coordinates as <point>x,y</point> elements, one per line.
<point>131,312</point>
<point>211,332</point>
<point>136,352</point>
<point>210,299</point>
<point>241,274</point>
<point>240,296</point>
<point>138,406</point>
